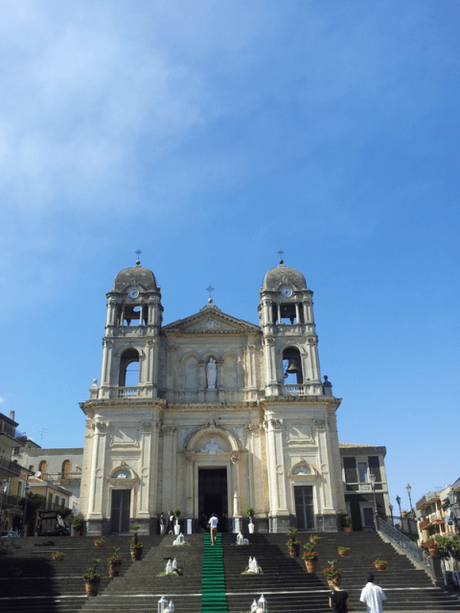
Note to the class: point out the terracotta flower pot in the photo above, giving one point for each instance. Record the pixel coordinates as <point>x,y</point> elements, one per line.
<point>380,566</point>
<point>311,565</point>
<point>100,545</point>
<point>294,551</point>
<point>315,539</point>
<point>344,554</point>
<point>58,559</point>
<point>338,581</point>
<point>77,532</point>
<point>114,570</point>
<point>91,588</point>
<point>136,553</point>
<point>347,528</point>
<point>404,514</point>
<point>433,552</point>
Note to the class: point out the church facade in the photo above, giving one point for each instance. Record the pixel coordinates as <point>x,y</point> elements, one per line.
<point>222,415</point>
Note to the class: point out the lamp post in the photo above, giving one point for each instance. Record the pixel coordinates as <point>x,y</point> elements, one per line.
<point>409,490</point>
<point>398,500</point>
<point>391,513</point>
<point>26,493</point>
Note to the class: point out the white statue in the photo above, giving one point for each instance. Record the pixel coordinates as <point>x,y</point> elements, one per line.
<point>169,568</point>
<point>253,566</point>
<point>180,540</point>
<point>240,540</point>
<point>254,606</point>
<point>212,447</point>
<point>211,373</point>
<point>174,564</point>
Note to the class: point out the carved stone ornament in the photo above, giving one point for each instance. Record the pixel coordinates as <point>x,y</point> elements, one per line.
<point>169,430</point>
<point>320,423</point>
<point>312,340</point>
<point>189,459</point>
<point>275,423</point>
<point>235,459</point>
<point>301,470</point>
<point>212,447</point>
<point>146,426</point>
<point>255,428</point>
<point>101,426</point>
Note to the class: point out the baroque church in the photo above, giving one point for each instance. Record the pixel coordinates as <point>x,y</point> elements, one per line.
<point>223,414</point>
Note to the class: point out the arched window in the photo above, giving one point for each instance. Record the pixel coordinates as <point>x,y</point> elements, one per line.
<point>292,366</point>
<point>43,468</point>
<point>129,368</point>
<point>66,469</point>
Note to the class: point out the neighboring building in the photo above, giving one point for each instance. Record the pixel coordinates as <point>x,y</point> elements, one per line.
<point>431,513</point>
<point>358,463</point>
<point>56,474</point>
<point>211,414</point>
<point>13,475</point>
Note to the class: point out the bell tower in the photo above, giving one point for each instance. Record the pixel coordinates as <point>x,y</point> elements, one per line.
<point>131,341</point>
<point>290,344</point>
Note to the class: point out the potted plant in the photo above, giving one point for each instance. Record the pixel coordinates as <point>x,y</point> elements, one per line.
<point>380,564</point>
<point>404,514</point>
<point>115,562</point>
<point>293,544</point>
<point>432,547</point>
<point>346,523</point>
<point>333,574</point>
<point>77,526</point>
<point>314,539</point>
<point>100,542</point>
<point>250,514</point>
<point>135,546</point>
<point>92,579</point>
<point>310,558</point>
<point>343,551</point>
<point>58,556</point>
<point>177,513</point>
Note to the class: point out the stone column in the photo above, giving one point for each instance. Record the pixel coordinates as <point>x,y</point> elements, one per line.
<point>189,486</point>
<point>169,434</point>
<point>297,312</point>
<point>143,510</point>
<point>96,492</point>
<point>111,312</point>
<point>235,483</point>
<point>271,382</point>
<point>276,475</point>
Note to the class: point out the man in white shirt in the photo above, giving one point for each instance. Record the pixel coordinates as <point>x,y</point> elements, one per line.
<point>213,521</point>
<point>372,596</point>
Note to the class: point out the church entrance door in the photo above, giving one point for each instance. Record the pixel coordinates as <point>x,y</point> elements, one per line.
<point>304,507</point>
<point>212,495</point>
<point>119,518</point>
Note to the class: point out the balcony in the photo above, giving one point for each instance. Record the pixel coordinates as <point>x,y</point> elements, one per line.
<point>303,389</point>
<point>128,392</point>
<point>8,468</point>
<point>7,501</point>
<point>10,431</point>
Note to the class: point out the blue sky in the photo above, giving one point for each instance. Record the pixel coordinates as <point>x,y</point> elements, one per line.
<point>210,135</point>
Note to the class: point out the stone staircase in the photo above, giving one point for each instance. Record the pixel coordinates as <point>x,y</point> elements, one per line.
<point>31,581</point>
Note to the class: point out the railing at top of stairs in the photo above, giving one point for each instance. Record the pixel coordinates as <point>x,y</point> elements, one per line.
<point>428,563</point>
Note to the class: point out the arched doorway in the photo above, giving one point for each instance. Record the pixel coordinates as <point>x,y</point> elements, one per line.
<point>213,496</point>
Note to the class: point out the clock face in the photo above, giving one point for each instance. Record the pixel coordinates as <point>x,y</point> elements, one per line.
<point>287,292</point>
<point>133,293</point>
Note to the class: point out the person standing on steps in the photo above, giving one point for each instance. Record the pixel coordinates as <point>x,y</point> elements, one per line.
<point>213,521</point>
<point>372,596</point>
<point>338,599</point>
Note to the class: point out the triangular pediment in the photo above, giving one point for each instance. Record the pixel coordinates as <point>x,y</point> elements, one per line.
<point>210,320</point>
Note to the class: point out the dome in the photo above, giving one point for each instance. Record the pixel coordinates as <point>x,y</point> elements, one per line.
<point>137,275</point>
<point>282,275</point>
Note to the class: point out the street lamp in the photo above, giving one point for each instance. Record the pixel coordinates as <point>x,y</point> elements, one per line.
<point>26,493</point>
<point>391,512</point>
<point>409,490</point>
<point>398,500</point>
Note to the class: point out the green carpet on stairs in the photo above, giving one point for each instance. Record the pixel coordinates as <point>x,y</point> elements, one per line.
<point>213,599</point>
